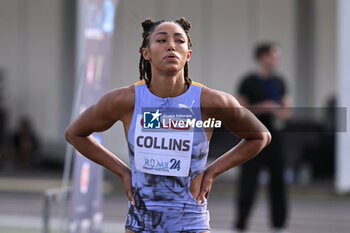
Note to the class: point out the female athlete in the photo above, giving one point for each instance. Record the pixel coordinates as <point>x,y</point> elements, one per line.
<point>167,183</point>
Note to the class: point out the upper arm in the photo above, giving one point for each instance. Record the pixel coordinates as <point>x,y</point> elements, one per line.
<point>102,115</point>
<point>236,118</point>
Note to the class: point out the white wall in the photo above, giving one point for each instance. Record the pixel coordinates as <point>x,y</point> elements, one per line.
<point>31,51</point>
<point>326,81</point>
<point>9,54</point>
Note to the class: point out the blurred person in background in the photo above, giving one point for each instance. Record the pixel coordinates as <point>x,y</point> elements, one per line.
<point>264,92</point>
<point>25,144</point>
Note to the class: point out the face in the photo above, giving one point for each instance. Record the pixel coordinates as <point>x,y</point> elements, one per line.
<point>168,49</point>
<point>271,60</point>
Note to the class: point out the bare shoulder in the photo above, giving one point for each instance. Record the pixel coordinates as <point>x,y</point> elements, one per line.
<point>123,96</point>
<point>117,102</point>
<point>212,98</point>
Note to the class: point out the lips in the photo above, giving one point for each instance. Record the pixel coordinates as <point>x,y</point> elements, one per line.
<point>171,56</point>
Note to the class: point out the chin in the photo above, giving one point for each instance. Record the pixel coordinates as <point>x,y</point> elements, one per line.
<point>172,69</point>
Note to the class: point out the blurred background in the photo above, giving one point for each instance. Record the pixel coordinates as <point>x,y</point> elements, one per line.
<point>38,49</point>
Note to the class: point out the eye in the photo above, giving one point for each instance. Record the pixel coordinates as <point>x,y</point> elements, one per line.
<point>161,40</point>
<point>180,41</point>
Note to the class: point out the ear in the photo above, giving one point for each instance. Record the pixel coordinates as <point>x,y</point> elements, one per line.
<point>145,54</point>
<point>189,54</point>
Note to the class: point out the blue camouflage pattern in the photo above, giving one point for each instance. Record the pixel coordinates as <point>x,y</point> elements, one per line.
<point>165,203</point>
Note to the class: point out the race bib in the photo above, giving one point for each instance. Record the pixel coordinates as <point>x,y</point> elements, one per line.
<point>162,151</point>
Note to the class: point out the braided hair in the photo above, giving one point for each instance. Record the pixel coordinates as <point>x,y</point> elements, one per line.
<point>149,26</point>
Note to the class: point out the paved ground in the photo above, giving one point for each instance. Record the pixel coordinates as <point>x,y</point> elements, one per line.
<point>313,209</point>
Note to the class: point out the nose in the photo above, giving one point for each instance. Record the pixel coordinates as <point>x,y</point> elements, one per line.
<point>171,45</point>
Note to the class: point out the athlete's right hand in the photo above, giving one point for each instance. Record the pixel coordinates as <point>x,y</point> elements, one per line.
<point>126,179</point>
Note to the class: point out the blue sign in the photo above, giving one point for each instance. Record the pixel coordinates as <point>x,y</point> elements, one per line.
<point>151,120</point>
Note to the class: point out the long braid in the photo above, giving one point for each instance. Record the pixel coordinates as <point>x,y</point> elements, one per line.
<point>188,79</point>
<point>148,27</point>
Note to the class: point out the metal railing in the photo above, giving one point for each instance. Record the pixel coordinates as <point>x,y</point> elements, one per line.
<point>51,197</point>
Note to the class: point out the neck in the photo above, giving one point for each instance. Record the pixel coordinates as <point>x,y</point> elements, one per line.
<point>168,85</point>
<point>265,71</point>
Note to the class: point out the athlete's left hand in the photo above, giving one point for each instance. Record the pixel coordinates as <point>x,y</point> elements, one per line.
<point>206,184</point>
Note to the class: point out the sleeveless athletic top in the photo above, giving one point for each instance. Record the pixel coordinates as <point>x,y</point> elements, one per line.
<point>165,156</point>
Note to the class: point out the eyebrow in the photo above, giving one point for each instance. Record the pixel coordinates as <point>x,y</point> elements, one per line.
<point>165,33</point>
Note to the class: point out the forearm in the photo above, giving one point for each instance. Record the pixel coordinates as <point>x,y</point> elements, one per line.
<point>90,148</point>
<point>242,152</point>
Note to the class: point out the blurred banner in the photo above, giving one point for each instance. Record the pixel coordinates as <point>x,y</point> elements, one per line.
<point>97,20</point>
